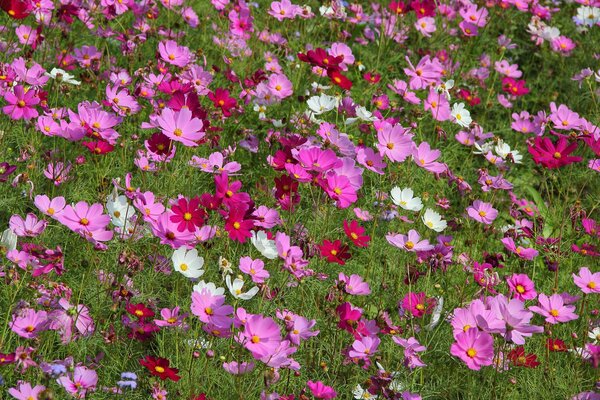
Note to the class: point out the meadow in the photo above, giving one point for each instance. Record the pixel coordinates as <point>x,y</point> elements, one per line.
<point>225,199</point>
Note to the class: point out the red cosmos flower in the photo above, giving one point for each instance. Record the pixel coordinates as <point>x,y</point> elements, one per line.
<point>556,345</point>
<point>372,77</point>
<point>339,79</point>
<point>552,155</point>
<point>321,58</point>
<point>139,310</point>
<point>355,233</point>
<point>335,252</point>
<point>469,97</point>
<point>238,227</point>
<point>7,358</point>
<point>514,87</point>
<point>160,367</point>
<point>220,98</point>
<point>159,144</point>
<point>188,215</point>
<point>398,7</point>
<point>285,185</point>
<point>520,359</point>
<point>17,9</point>
<point>425,8</point>
<point>99,147</point>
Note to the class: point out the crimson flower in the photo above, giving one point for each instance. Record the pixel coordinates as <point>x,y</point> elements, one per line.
<point>237,226</point>
<point>514,87</point>
<point>355,233</point>
<point>555,345</point>
<point>139,310</point>
<point>339,79</point>
<point>398,7</point>
<point>160,367</point>
<point>220,98</point>
<point>188,215</point>
<point>99,147</point>
<point>321,58</point>
<point>372,77</point>
<point>17,9</point>
<point>518,357</point>
<point>335,252</point>
<point>553,155</point>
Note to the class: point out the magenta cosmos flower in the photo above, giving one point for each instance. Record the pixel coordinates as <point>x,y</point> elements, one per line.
<point>84,217</point>
<point>321,391</point>
<point>410,242</point>
<point>473,347</point>
<point>521,287</point>
<point>174,54</point>
<point>425,158</point>
<point>181,126</point>
<point>394,142</point>
<point>30,323</point>
<point>482,212</point>
<point>21,103</point>
<point>554,309</point>
<point>211,308</point>
<point>588,282</point>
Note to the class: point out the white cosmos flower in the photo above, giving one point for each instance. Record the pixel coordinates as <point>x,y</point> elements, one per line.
<point>405,198</point>
<point>588,16</point>
<point>483,148</point>
<point>321,104</point>
<point>210,287</point>
<point>436,313</point>
<point>62,76</point>
<point>360,393</point>
<point>434,220</point>
<point>8,240</point>
<point>550,33</point>
<point>594,334</point>
<point>119,210</point>
<point>235,288</point>
<point>225,266</point>
<point>461,115</point>
<point>265,246</point>
<point>445,87</point>
<point>188,262</point>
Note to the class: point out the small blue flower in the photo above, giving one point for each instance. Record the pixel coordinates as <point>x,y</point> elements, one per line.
<point>129,375</point>
<point>127,384</point>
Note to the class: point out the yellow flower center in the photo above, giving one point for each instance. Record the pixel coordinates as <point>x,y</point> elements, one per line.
<point>183,267</point>
<point>471,352</point>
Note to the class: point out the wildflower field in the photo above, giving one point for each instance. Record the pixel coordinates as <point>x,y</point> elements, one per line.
<point>227,199</point>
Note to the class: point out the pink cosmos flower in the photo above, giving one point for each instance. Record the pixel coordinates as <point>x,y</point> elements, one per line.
<point>168,233</point>
<point>411,348</point>
<point>411,242</point>
<point>300,329</point>
<point>174,54</point>
<point>181,126</point>
<point>254,268</point>
<point>437,103</point>
<point>395,142</point>
<point>83,216</point>
<point>562,44</point>
<point>316,159</point>
<point>283,9</point>
<point>31,226</point>
<point>371,160</point>
<point>525,253</point>
<point>354,284</point>
<point>425,158</point>
<point>521,287</point>
<point>554,309</point>
<point>236,368</point>
<point>211,308</point>
<point>340,189</point>
<point>83,380</point>
<point>473,347</point>
<point>482,212</point>
<point>21,103</point>
<point>364,347</point>
<point>30,323</point>
<point>280,86</point>
<point>426,72</point>
<point>261,336</point>
<point>321,391</point>
<point>563,118</point>
<point>587,281</point>
<point>24,391</point>
<point>170,317</point>
<point>66,316</point>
